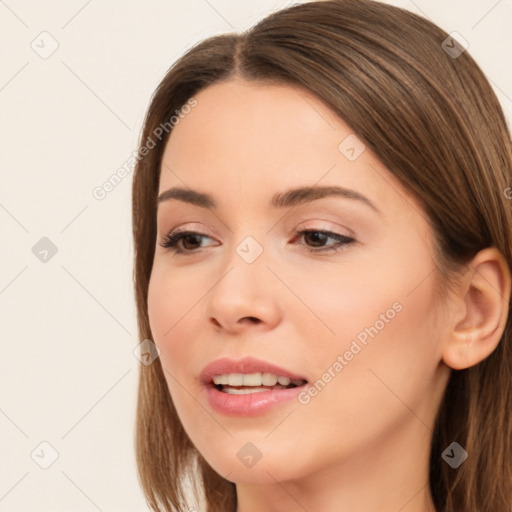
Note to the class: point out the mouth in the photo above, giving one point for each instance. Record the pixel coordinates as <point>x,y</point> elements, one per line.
<point>248,383</point>
<point>249,386</point>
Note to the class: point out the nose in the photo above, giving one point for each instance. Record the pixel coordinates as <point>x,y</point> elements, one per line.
<point>244,298</point>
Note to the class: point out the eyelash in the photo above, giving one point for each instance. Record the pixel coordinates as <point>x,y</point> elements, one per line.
<point>171,241</point>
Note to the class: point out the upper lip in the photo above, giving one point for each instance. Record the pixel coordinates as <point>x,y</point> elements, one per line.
<point>246,365</point>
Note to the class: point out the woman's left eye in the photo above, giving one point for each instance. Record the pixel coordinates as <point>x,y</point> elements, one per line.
<point>316,236</point>
<point>320,236</point>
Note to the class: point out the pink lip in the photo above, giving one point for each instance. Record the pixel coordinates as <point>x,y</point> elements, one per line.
<point>249,404</point>
<point>245,365</point>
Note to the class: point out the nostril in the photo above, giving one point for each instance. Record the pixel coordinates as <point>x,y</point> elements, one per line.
<point>216,322</point>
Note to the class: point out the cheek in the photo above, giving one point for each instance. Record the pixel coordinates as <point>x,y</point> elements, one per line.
<point>173,295</point>
<point>383,300</point>
<point>384,360</point>
<point>378,315</point>
<point>172,309</point>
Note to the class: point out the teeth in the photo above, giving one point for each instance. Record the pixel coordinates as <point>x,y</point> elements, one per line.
<point>268,379</point>
<point>221,379</point>
<point>235,379</point>
<point>254,379</point>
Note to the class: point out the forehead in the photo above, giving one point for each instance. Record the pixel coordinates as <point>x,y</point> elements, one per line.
<point>237,113</point>
<point>245,141</point>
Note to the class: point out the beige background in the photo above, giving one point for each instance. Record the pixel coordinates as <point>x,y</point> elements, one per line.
<point>68,120</point>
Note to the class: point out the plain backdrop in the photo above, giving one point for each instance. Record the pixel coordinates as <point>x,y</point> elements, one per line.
<point>75,81</point>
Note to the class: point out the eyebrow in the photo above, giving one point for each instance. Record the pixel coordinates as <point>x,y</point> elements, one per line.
<point>287,199</point>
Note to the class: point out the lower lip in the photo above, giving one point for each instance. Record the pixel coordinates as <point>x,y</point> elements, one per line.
<point>250,404</point>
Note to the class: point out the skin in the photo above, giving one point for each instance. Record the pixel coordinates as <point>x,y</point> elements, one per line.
<point>362,443</point>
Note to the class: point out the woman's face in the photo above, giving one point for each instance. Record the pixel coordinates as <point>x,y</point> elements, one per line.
<point>356,321</point>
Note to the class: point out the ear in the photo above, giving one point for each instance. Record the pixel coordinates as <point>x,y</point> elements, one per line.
<point>480,311</point>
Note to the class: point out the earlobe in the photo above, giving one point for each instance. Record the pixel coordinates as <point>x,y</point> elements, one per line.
<point>483,304</point>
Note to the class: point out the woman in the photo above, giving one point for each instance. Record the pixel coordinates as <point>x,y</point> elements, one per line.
<point>323,253</point>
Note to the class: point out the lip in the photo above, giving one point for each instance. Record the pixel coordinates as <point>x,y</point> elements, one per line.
<point>248,404</point>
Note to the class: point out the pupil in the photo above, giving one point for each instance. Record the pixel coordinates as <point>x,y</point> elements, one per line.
<point>316,234</point>
<point>188,237</point>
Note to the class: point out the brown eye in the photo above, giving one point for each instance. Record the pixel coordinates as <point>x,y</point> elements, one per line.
<point>318,237</point>
<point>188,239</point>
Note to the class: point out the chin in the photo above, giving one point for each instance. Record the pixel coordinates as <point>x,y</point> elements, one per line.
<point>261,472</point>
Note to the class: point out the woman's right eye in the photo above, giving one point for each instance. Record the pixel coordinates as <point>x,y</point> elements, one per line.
<point>172,241</point>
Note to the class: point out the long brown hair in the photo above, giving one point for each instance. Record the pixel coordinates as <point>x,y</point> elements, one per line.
<point>430,115</point>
